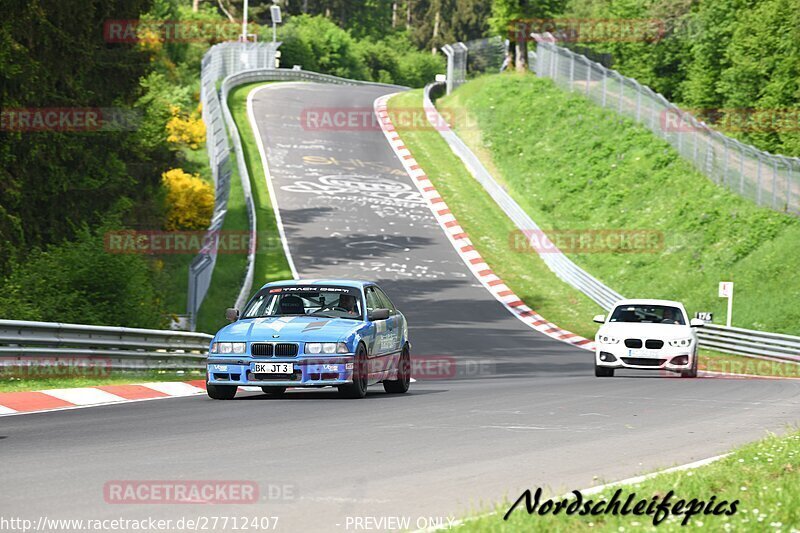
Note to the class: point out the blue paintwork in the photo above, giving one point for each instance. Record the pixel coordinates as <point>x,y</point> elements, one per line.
<point>384,340</point>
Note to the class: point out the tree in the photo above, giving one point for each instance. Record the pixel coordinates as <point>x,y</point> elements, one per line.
<point>511,18</point>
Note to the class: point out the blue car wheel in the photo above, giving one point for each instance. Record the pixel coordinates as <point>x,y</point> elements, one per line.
<point>401,384</point>
<point>358,388</point>
<point>221,392</point>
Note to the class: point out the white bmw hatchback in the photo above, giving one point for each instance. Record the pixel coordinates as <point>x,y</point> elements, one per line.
<point>646,335</point>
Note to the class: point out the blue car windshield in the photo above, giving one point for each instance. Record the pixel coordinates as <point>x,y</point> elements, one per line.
<point>310,300</point>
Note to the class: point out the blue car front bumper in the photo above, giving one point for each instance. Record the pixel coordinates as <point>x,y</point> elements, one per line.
<point>308,371</point>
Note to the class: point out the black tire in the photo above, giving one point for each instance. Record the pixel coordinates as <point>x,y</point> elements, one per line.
<point>603,371</point>
<point>403,381</point>
<point>221,392</point>
<point>692,372</point>
<point>358,388</point>
<point>274,391</point>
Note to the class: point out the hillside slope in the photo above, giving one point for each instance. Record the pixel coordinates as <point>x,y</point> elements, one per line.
<point>572,165</point>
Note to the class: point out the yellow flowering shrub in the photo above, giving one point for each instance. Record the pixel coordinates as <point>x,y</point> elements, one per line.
<point>190,200</point>
<point>183,129</point>
<point>149,40</point>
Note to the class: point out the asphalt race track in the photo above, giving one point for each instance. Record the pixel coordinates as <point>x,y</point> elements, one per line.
<point>519,410</point>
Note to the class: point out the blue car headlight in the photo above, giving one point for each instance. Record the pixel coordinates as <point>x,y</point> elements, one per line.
<point>326,347</point>
<point>228,347</point>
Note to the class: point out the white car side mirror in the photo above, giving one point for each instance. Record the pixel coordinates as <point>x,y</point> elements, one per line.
<point>697,323</point>
<point>600,319</point>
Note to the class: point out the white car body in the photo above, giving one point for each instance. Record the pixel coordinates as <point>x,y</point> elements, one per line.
<point>648,344</point>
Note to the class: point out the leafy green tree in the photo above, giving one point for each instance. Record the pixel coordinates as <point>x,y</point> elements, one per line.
<point>326,47</point>
<point>763,72</point>
<point>80,281</point>
<point>507,16</point>
<point>53,182</point>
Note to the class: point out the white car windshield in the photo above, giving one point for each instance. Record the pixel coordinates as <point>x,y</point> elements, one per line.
<point>326,302</point>
<point>651,314</point>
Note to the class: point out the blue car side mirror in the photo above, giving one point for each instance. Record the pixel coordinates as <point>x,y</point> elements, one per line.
<point>378,314</point>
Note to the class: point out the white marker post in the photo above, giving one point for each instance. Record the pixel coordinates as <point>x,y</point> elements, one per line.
<point>726,291</point>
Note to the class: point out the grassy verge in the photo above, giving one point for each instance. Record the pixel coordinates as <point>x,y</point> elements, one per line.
<point>42,382</point>
<point>575,166</point>
<point>270,260</point>
<point>738,364</point>
<point>762,477</point>
<point>491,231</point>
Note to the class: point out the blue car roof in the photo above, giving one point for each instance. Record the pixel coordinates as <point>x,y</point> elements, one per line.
<point>356,284</point>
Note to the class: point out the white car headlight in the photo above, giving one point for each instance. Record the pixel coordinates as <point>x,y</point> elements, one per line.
<point>320,347</point>
<point>228,347</point>
<point>607,339</point>
<point>681,343</point>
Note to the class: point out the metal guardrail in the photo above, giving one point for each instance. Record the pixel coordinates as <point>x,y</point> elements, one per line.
<point>117,347</point>
<point>750,343</point>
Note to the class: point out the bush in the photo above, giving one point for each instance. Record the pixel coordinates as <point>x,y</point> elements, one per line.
<point>81,282</point>
<point>394,60</point>
<point>190,201</point>
<point>319,45</point>
<point>160,97</point>
<point>186,129</point>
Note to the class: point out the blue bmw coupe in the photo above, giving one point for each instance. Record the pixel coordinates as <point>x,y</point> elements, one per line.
<point>320,333</point>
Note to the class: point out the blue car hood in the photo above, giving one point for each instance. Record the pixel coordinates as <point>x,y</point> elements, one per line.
<point>289,329</point>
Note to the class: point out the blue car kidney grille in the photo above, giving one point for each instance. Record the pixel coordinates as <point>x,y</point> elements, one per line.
<point>268,349</point>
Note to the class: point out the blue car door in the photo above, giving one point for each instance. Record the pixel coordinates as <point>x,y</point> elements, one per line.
<point>379,329</point>
<point>395,328</point>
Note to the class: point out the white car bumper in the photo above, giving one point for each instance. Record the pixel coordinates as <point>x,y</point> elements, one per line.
<point>665,358</point>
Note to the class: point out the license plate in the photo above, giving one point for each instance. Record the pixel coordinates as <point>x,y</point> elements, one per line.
<point>273,368</point>
<point>643,353</point>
